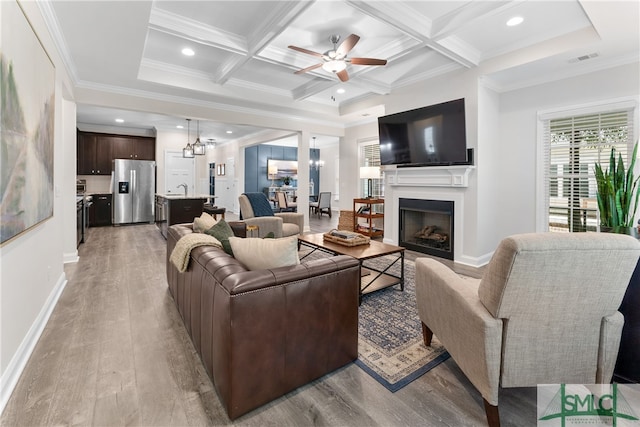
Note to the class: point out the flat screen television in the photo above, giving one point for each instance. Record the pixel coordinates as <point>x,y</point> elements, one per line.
<point>427,136</point>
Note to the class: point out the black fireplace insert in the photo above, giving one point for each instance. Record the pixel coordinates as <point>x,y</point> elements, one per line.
<point>427,226</point>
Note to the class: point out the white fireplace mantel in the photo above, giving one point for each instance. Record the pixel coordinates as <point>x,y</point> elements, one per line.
<point>429,176</point>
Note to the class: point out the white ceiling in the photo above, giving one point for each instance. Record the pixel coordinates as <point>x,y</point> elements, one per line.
<point>241,57</point>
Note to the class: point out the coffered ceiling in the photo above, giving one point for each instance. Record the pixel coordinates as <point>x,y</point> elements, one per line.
<point>242,60</point>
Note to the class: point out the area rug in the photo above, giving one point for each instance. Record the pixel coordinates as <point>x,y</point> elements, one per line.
<point>390,346</point>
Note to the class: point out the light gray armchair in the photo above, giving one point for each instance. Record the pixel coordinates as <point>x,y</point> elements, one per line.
<point>280,224</point>
<point>545,311</point>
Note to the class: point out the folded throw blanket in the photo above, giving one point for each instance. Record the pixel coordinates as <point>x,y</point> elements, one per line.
<point>182,251</point>
<point>260,204</point>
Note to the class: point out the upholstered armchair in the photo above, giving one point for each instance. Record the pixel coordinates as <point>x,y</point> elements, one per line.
<point>545,311</point>
<point>282,224</point>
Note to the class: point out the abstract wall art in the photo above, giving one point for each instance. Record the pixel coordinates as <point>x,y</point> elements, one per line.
<point>27,88</point>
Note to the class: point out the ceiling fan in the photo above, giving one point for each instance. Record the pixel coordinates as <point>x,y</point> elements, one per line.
<point>335,60</point>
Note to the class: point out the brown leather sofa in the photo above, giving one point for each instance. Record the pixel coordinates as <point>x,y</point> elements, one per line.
<point>263,333</point>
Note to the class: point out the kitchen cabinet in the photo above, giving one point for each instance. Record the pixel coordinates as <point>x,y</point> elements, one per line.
<point>94,155</point>
<point>100,210</point>
<point>96,151</point>
<point>177,210</point>
<point>134,148</point>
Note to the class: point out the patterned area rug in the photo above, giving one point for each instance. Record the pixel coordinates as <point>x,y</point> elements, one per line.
<point>390,346</point>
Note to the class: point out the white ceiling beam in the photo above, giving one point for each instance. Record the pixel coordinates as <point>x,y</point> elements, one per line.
<point>181,26</point>
<point>406,20</point>
<point>271,27</point>
<point>311,88</point>
<point>453,21</point>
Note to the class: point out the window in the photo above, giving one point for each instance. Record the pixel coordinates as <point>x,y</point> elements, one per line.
<point>572,147</point>
<point>370,156</point>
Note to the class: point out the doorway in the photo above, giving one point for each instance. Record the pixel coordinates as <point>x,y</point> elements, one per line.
<point>178,170</point>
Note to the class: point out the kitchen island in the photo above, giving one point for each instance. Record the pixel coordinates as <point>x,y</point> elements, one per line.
<point>177,209</point>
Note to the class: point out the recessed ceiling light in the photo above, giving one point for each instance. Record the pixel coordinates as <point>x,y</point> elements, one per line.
<point>180,127</point>
<point>119,121</point>
<point>187,51</point>
<point>516,20</point>
<point>229,131</point>
<point>341,90</point>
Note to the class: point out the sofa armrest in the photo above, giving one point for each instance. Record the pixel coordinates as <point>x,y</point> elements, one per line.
<point>239,228</point>
<point>293,218</point>
<point>266,225</point>
<point>276,330</point>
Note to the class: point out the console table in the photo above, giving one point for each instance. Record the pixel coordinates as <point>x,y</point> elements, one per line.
<point>368,209</point>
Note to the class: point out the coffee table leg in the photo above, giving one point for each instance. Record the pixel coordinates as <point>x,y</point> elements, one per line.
<point>402,271</point>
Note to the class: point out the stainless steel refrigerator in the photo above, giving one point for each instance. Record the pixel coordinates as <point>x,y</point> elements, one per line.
<point>133,186</point>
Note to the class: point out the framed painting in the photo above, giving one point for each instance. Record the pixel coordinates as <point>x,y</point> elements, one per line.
<point>27,79</point>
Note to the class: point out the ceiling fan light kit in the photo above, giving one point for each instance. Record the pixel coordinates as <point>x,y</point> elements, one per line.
<point>335,60</point>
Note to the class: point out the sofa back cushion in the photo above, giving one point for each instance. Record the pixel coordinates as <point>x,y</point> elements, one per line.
<point>258,254</point>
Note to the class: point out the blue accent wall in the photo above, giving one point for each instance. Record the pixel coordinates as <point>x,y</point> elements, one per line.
<point>255,165</point>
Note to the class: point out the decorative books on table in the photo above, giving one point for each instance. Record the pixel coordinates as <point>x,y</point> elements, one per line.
<point>346,238</point>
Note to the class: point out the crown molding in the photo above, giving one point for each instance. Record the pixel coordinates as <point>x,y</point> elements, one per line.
<point>51,20</point>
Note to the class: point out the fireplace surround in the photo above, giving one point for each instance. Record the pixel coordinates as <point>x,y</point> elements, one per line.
<point>427,226</point>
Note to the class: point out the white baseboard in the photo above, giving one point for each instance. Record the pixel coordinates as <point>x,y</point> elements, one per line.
<point>68,258</point>
<point>19,360</point>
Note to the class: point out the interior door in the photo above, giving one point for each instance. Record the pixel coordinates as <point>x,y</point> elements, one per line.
<point>178,170</point>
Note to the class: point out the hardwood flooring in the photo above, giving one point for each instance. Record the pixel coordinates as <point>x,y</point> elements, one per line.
<point>115,352</point>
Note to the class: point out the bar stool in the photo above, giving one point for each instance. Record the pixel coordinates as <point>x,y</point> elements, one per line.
<point>213,210</point>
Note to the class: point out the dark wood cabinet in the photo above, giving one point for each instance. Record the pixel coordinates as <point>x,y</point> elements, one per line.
<point>96,151</point>
<point>134,148</point>
<point>177,210</point>
<point>100,210</point>
<point>94,155</point>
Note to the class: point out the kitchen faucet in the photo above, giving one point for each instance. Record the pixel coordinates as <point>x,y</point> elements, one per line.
<point>185,188</point>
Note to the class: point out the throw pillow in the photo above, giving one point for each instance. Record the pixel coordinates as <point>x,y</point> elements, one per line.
<point>259,254</point>
<point>222,231</point>
<point>203,223</point>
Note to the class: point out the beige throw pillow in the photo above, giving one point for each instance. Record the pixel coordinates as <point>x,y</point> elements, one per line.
<point>203,223</point>
<point>259,254</point>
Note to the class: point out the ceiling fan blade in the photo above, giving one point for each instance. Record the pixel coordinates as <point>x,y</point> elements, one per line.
<point>343,75</point>
<point>304,70</point>
<point>307,51</point>
<point>347,45</point>
<point>367,61</point>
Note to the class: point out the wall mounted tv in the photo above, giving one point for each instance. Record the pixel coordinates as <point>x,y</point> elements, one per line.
<point>427,136</point>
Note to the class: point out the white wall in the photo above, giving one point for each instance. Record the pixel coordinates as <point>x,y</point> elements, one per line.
<point>32,275</point>
<point>329,172</point>
<point>519,139</point>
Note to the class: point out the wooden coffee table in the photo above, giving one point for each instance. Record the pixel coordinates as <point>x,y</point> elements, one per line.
<point>370,279</point>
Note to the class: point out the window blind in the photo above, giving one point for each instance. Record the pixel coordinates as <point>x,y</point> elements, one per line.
<point>572,147</point>
<point>370,156</point>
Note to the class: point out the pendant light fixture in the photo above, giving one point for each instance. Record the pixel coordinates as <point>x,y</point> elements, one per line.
<point>318,163</point>
<point>188,150</point>
<point>198,147</point>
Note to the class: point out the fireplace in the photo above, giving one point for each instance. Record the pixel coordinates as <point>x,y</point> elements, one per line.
<point>427,226</point>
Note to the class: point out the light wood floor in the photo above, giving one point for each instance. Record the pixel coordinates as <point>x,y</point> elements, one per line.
<point>115,352</point>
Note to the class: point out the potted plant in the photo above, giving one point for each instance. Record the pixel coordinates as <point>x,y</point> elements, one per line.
<point>618,192</point>
<point>286,180</point>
